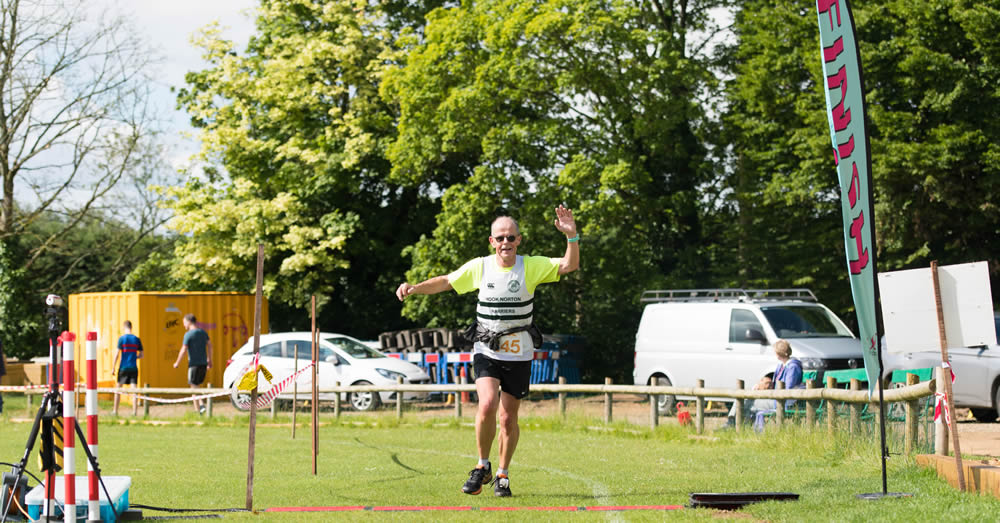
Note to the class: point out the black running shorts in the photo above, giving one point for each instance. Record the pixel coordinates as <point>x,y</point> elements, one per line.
<point>128,376</point>
<point>196,374</point>
<point>514,376</point>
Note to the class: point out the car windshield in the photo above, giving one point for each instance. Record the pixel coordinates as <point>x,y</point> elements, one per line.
<point>355,349</point>
<point>790,321</point>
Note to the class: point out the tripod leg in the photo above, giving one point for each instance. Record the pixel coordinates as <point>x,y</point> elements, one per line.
<point>28,447</point>
<point>97,469</point>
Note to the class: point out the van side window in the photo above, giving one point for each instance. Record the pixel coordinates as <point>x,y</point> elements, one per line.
<point>739,321</point>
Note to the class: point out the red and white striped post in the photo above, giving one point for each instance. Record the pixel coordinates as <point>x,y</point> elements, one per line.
<point>94,503</point>
<point>69,428</point>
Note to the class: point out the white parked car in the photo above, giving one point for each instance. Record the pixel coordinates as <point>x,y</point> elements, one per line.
<point>977,373</point>
<point>724,335</point>
<point>341,358</point>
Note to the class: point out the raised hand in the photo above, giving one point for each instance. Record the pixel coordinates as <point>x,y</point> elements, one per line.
<point>564,221</point>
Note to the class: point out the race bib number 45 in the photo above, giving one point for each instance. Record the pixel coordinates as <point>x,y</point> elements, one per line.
<point>511,345</point>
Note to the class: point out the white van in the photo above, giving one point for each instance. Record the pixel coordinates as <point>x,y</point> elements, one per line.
<point>724,335</point>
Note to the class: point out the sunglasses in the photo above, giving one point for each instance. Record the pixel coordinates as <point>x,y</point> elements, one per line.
<point>510,238</point>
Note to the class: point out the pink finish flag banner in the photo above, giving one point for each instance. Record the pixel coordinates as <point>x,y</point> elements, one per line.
<point>845,110</point>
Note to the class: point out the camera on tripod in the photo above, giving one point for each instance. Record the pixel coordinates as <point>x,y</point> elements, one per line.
<point>53,314</point>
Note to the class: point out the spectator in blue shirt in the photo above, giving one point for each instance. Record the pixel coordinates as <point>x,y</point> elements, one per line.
<point>129,351</point>
<point>789,369</point>
<point>789,372</point>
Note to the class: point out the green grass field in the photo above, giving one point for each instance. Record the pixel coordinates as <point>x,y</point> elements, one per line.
<point>373,460</point>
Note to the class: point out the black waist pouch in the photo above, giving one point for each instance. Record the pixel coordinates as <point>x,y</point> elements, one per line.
<point>476,332</point>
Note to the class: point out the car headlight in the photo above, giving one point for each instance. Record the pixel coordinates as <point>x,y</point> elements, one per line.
<point>813,363</point>
<point>390,374</point>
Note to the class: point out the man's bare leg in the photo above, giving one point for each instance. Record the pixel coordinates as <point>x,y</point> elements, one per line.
<point>509,429</point>
<point>488,390</point>
<point>197,403</point>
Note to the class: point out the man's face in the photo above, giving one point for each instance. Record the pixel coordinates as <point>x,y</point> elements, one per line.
<point>187,324</point>
<point>504,229</point>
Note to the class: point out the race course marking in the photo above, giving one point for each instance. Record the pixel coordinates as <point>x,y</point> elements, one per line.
<point>418,508</point>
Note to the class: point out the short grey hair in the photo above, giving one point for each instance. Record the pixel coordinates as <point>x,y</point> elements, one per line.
<point>498,218</point>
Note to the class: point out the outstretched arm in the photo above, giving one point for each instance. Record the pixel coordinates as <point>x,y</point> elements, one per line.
<point>567,225</point>
<point>432,286</point>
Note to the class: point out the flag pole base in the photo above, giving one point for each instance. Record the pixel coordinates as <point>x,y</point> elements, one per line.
<point>881,495</point>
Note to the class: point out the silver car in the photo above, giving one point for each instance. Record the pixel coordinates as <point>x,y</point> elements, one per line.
<point>977,374</point>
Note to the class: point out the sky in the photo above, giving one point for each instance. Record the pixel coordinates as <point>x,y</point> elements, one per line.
<point>167,26</point>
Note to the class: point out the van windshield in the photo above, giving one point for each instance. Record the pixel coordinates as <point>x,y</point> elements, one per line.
<point>790,321</point>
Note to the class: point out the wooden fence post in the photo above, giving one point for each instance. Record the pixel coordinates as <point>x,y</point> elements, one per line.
<point>654,411</point>
<point>458,397</point>
<point>830,409</point>
<point>562,398</point>
<point>607,402</point>
<point>30,399</point>
<point>855,425</point>
<point>940,427</point>
<point>295,392</point>
<point>779,411</point>
<point>810,406</point>
<point>145,403</point>
<point>738,418</point>
<point>910,437</point>
<point>336,403</point>
<point>699,402</point>
<point>399,399</point>
<point>208,403</point>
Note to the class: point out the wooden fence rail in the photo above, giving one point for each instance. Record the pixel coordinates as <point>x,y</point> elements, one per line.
<point>856,398</point>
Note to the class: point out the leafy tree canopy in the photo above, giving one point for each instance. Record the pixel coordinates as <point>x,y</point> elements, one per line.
<point>593,103</point>
<point>296,132</point>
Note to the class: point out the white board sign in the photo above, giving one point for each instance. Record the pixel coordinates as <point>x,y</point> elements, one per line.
<point>909,313</point>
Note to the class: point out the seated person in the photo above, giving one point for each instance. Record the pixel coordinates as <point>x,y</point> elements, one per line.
<point>789,372</point>
<point>752,406</point>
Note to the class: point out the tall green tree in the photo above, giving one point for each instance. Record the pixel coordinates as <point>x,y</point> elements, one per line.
<point>594,103</point>
<point>21,323</point>
<point>929,68</point>
<point>75,128</point>
<point>296,132</point>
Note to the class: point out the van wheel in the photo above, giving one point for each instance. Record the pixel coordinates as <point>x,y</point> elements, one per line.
<point>664,403</point>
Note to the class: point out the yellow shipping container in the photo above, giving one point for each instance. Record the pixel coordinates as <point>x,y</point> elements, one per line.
<point>227,317</point>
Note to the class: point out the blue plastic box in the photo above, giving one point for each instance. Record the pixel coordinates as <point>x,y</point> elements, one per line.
<point>118,487</point>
